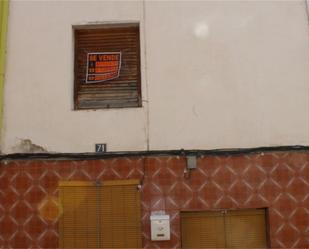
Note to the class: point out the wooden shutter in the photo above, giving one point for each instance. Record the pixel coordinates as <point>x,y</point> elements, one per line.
<point>104,216</point>
<point>246,229</point>
<point>78,224</point>
<point>224,229</point>
<point>124,91</point>
<point>202,230</point>
<point>120,215</point>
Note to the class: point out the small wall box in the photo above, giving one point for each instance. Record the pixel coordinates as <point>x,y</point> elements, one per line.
<point>160,227</point>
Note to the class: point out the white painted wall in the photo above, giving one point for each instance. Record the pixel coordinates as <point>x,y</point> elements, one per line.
<point>220,74</point>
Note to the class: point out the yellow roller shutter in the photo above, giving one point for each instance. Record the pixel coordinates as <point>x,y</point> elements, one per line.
<point>224,229</point>
<point>78,224</point>
<point>202,230</point>
<point>120,216</point>
<point>105,215</point>
<point>246,229</point>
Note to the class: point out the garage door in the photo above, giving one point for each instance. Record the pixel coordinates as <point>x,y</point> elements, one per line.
<point>224,229</point>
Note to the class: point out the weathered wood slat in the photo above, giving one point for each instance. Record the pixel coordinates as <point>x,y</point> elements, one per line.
<point>108,91</point>
<point>107,104</point>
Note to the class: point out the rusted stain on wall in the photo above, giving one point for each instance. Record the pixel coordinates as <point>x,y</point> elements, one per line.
<point>27,146</point>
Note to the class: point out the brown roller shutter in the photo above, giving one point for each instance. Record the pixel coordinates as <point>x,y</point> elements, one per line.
<point>246,229</point>
<point>224,229</point>
<point>120,217</point>
<point>123,91</point>
<point>78,224</point>
<point>100,216</point>
<point>202,230</point>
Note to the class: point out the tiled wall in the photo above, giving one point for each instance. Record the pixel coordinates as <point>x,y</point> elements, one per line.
<point>279,181</point>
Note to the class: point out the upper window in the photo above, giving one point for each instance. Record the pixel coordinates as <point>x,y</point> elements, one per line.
<point>107,67</point>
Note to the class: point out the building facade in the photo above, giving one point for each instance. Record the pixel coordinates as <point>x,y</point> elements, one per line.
<point>199,105</point>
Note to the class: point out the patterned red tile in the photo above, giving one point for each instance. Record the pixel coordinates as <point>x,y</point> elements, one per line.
<point>276,220</point>
<point>239,163</point>
<point>130,168</point>
<point>267,160</point>
<point>305,172</point>
<point>8,197</point>
<point>255,200</point>
<point>223,177</point>
<point>210,192</point>
<point>282,174</point>
<point>175,222</point>
<point>158,203</point>
<point>4,180</point>
<point>35,195</point>
<point>94,168</point>
<point>171,203</point>
<point>298,188</point>
<point>305,202</point>
<point>196,179</point>
<point>300,219</point>
<point>21,211</point>
<point>285,204</point>
<point>269,191</point>
<point>208,164</point>
<point>301,243</point>
<point>20,240</point>
<point>226,203</point>
<point>2,243</point>
<point>254,175</point>
<point>164,178</point>
<point>36,169</point>
<point>180,193</point>
<point>63,168</point>
<point>122,166</point>
<point>22,181</point>
<point>49,180</point>
<point>8,226</point>
<point>296,160</point>
<point>239,192</point>
<point>49,209</point>
<point>152,166</point>
<point>35,226</point>
<point>275,180</point>
<point>177,165</point>
<point>287,236</point>
<point>49,239</point>
<point>108,173</point>
<point>150,188</point>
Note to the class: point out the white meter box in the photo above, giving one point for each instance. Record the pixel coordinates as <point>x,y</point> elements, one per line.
<point>160,227</point>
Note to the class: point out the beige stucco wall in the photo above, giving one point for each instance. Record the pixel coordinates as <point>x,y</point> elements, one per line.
<point>215,74</point>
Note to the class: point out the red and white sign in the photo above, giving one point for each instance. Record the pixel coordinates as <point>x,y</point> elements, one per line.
<point>103,66</point>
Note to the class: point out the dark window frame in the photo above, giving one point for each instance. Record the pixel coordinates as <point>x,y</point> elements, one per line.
<point>78,84</point>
